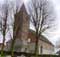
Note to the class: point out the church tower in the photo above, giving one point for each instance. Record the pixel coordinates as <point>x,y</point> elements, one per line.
<point>22,25</point>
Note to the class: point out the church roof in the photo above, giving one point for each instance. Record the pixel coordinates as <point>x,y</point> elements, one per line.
<point>42,38</point>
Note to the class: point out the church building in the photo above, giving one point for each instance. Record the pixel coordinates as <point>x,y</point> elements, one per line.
<point>25,37</point>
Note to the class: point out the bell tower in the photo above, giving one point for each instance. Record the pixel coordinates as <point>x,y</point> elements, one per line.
<point>22,23</point>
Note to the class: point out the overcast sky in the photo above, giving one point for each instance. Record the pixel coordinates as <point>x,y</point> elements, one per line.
<point>53,34</point>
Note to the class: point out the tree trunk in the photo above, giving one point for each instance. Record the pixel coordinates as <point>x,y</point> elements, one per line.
<point>36,45</point>
<point>2,48</point>
<point>4,30</point>
<point>12,48</point>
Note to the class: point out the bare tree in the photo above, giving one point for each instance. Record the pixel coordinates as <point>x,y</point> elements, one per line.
<point>4,26</point>
<point>42,17</point>
<point>16,28</point>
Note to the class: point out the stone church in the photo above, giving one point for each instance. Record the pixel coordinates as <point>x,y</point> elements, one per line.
<point>25,40</point>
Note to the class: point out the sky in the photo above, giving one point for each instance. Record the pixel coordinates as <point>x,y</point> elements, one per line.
<point>52,34</point>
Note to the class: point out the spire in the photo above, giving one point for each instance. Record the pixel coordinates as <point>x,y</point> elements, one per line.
<point>23,8</point>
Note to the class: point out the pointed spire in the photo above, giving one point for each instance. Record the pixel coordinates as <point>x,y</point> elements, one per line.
<point>23,8</point>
